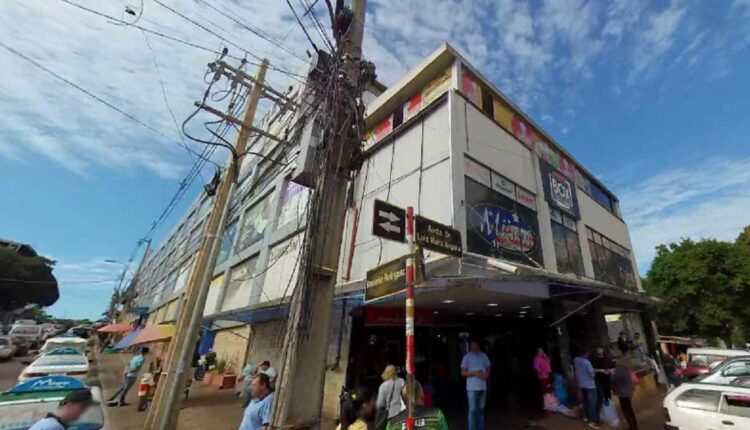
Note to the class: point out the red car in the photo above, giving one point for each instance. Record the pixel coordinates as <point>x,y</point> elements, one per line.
<point>702,360</point>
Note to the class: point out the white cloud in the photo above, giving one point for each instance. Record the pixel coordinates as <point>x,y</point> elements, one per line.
<point>657,38</point>
<point>705,199</point>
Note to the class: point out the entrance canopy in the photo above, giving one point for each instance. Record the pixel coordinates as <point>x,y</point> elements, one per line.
<point>477,285</point>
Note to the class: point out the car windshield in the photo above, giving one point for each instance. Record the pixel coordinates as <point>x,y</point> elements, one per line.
<point>61,360</point>
<point>49,346</point>
<point>25,330</point>
<point>704,360</point>
<point>23,416</point>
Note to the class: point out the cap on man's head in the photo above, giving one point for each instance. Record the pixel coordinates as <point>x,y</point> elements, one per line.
<point>83,397</point>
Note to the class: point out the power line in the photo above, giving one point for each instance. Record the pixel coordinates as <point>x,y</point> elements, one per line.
<point>89,93</point>
<point>301,25</point>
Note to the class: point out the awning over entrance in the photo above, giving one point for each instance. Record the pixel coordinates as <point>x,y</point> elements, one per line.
<point>481,285</point>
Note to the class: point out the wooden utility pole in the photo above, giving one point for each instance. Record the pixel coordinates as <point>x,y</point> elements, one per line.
<point>164,410</point>
<point>299,392</point>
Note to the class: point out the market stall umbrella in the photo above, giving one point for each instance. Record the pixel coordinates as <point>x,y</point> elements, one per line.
<point>155,333</point>
<point>115,328</point>
<point>127,341</point>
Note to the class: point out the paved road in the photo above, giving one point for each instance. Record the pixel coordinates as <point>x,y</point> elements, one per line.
<point>9,371</point>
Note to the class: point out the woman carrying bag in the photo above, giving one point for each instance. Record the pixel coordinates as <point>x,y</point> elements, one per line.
<point>389,403</point>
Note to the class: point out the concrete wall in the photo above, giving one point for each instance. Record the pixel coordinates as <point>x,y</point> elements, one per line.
<point>410,169</point>
<point>231,345</point>
<point>265,343</point>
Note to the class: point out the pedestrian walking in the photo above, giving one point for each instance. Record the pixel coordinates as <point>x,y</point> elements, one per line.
<point>622,384</point>
<point>475,367</point>
<point>388,403</point>
<point>604,365</point>
<point>130,375</point>
<point>543,368</point>
<point>71,409</point>
<point>257,415</point>
<point>245,378</point>
<point>585,374</point>
<point>425,417</point>
<point>357,409</point>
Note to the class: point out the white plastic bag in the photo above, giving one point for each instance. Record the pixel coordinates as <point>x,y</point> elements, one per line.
<point>608,414</point>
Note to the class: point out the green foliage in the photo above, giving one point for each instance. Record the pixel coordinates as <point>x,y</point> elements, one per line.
<point>25,280</point>
<point>704,287</point>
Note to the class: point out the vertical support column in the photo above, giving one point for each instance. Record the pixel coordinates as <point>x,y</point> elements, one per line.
<point>410,280</point>
<point>600,324</point>
<point>558,334</point>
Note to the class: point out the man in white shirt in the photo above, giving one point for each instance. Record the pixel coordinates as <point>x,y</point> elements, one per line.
<point>475,367</point>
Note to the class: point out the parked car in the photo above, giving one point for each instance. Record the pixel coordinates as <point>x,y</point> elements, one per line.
<point>727,371</point>
<point>698,406</point>
<point>62,342</point>
<point>24,322</point>
<point>28,402</point>
<point>30,333</point>
<point>62,361</point>
<point>702,360</point>
<point>7,348</point>
<point>80,331</point>
<point>22,345</point>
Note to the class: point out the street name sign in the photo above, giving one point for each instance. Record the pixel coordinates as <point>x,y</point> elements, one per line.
<point>390,278</point>
<point>437,237</point>
<point>388,221</point>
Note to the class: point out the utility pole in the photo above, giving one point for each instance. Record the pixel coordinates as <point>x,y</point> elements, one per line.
<point>299,392</point>
<point>164,410</point>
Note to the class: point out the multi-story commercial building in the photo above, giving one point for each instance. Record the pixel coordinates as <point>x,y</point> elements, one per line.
<point>547,257</point>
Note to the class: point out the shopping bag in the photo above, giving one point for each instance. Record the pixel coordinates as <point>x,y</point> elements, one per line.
<point>608,414</point>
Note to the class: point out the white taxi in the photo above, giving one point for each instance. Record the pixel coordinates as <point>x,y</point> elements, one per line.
<point>697,406</point>
<point>62,361</point>
<point>30,401</point>
<point>54,343</point>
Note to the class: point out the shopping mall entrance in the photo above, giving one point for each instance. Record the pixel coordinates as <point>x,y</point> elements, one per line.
<point>508,334</point>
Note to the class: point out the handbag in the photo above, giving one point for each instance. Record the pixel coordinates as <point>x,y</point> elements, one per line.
<point>381,416</point>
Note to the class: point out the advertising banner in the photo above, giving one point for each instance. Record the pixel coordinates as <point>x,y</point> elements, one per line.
<point>499,227</point>
<point>559,191</point>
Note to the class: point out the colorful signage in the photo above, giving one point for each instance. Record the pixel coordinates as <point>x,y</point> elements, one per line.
<point>512,121</point>
<point>416,103</point>
<point>499,227</point>
<point>559,190</point>
<point>48,383</point>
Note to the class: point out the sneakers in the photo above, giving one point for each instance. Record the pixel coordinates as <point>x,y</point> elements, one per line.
<point>594,426</point>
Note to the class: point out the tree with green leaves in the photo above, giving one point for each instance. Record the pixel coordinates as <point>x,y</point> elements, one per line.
<point>25,280</point>
<point>704,287</point>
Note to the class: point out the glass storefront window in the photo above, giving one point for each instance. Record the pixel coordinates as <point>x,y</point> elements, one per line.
<point>611,262</point>
<point>567,245</point>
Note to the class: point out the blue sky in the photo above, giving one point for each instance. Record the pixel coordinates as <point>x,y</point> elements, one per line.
<point>651,96</point>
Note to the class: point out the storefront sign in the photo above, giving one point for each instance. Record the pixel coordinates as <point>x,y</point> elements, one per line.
<point>503,186</point>
<point>526,198</point>
<point>477,172</point>
<point>396,317</point>
<point>499,227</point>
<point>437,237</point>
<point>559,190</point>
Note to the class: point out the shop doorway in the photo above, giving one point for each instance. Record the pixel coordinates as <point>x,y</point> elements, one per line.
<point>514,390</point>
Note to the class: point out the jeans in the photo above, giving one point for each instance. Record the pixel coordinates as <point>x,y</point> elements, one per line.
<point>627,409</point>
<point>476,409</point>
<point>127,384</point>
<point>589,404</point>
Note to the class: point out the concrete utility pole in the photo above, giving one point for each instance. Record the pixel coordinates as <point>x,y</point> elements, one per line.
<point>164,410</point>
<point>299,392</point>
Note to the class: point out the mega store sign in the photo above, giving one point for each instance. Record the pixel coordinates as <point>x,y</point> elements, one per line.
<point>499,227</point>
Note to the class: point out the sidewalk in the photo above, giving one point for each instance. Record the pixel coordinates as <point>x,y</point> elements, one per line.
<point>207,407</point>
<point>648,410</point>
